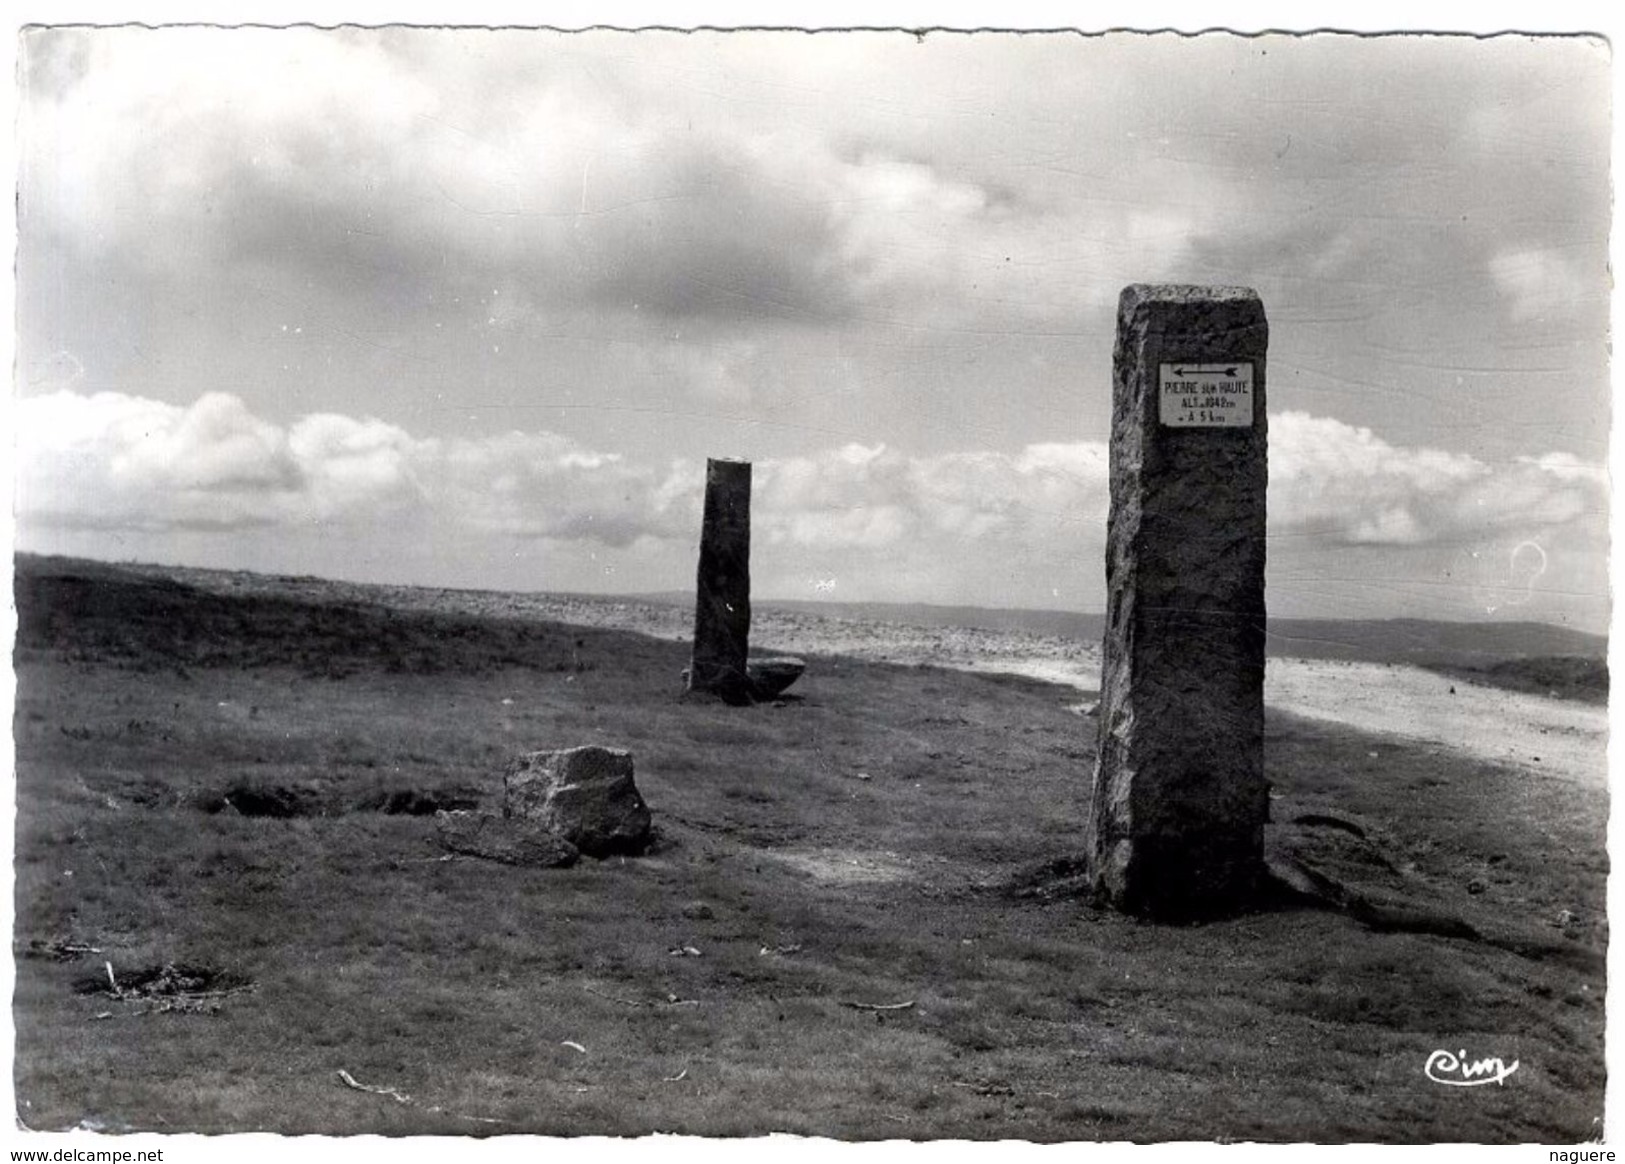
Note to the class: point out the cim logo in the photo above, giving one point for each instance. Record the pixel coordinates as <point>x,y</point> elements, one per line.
<point>1457,1071</point>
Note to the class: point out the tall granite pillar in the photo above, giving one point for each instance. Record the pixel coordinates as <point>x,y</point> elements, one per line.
<point>1176,817</point>
<point>722,600</point>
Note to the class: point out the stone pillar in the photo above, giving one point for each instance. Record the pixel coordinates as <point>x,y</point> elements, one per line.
<point>722,601</point>
<point>1176,818</point>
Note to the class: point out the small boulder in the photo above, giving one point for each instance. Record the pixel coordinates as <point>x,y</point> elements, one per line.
<point>585,795</point>
<point>505,839</point>
<point>771,677</point>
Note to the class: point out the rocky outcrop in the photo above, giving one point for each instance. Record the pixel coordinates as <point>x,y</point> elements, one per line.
<point>584,795</point>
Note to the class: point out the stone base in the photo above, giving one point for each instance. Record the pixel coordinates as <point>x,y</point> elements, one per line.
<point>766,680</point>
<point>1182,878</point>
<point>771,677</point>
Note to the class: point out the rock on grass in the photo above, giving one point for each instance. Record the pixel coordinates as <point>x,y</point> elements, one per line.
<point>585,795</point>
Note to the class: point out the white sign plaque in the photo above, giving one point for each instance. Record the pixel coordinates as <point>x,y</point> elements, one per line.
<point>1206,395</point>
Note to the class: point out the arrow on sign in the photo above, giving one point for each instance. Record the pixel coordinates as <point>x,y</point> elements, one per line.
<point>1192,371</point>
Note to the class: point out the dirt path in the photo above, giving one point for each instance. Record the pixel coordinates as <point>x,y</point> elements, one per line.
<point>1551,737</point>
<point>1548,737</point>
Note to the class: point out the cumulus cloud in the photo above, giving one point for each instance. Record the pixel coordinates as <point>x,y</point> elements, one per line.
<point>1568,467</point>
<point>875,498</point>
<point>115,461</point>
<point>347,466</point>
<point>112,461</point>
<point>109,461</point>
<point>1345,485</point>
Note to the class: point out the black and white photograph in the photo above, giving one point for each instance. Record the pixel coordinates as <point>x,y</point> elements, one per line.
<point>896,583</point>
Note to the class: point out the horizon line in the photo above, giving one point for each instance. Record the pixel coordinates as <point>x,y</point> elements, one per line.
<point>673,597</point>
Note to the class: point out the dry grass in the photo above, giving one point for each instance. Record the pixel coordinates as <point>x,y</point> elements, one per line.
<point>1579,677</point>
<point>939,880</point>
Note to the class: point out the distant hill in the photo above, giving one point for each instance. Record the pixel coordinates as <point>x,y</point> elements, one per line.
<point>1398,640</point>
<point>1475,647</point>
<point>1418,640</point>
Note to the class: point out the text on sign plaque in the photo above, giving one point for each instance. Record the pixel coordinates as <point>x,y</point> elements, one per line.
<point>1207,395</point>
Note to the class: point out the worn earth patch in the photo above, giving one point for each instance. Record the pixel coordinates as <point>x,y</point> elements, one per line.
<point>850,866</point>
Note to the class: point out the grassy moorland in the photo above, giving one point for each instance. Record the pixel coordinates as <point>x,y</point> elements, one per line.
<point>1579,677</point>
<point>230,793</point>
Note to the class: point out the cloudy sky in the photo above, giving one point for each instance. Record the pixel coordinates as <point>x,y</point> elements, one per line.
<point>472,308</point>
